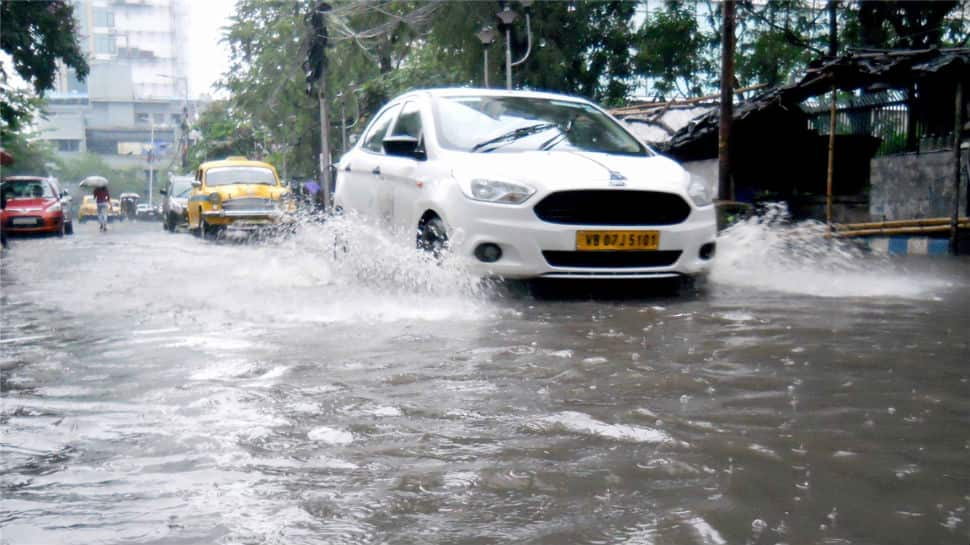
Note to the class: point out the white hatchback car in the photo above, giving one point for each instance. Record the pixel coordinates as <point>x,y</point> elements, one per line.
<point>527,185</point>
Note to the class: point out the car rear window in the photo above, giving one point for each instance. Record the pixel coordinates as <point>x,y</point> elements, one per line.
<point>239,175</point>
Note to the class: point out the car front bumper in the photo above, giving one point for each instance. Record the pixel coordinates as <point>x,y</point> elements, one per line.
<point>528,244</point>
<point>39,224</point>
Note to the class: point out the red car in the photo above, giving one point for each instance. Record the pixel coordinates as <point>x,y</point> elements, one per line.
<point>35,204</point>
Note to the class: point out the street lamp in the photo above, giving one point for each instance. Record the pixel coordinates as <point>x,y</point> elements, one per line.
<point>506,18</point>
<point>487,36</point>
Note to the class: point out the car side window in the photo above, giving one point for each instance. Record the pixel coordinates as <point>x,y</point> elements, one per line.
<point>375,136</point>
<point>409,122</point>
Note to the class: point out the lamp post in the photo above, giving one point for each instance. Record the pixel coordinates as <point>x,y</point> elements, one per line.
<point>506,18</point>
<point>487,36</point>
<point>184,125</point>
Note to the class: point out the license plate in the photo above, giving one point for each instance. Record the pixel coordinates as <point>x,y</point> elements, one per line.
<point>617,240</point>
<point>24,221</point>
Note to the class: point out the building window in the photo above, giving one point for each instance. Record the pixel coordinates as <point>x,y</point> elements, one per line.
<point>176,119</point>
<point>105,44</point>
<point>75,85</point>
<point>159,119</point>
<point>68,145</point>
<point>104,17</point>
<point>142,118</point>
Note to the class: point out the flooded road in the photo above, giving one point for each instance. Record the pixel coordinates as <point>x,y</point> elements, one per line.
<point>160,389</point>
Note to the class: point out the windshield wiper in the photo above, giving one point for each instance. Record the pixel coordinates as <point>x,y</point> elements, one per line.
<point>555,140</point>
<point>514,135</point>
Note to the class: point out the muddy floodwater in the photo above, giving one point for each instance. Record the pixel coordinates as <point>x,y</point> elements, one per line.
<point>161,389</point>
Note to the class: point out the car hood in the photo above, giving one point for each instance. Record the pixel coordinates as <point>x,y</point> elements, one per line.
<point>560,170</point>
<point>33,203</point>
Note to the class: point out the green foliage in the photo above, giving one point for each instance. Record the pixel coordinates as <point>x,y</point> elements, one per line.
<point>36,35</point>
<point>223,133</point>
<point>671,51</point>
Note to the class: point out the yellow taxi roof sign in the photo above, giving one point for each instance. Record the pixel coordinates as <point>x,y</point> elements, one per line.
<point>236,158</point>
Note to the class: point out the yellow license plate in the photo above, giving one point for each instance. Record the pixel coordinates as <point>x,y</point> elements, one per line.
<point>617,240</point>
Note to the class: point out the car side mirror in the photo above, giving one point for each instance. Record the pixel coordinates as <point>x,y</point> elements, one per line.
<point>404,146</point>
<point>196,183</point>
<point>162,192</point>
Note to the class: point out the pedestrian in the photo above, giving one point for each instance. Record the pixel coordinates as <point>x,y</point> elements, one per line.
<point>103,198</point>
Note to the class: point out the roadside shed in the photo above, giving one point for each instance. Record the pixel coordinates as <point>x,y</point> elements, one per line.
<point>892,111</point>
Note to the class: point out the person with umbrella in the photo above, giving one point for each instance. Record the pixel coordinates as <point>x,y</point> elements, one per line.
<point>101,196</point>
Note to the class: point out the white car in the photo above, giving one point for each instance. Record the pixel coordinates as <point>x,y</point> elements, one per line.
<point>527,185</point>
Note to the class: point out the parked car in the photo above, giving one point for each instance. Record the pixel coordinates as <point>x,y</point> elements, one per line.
<point>537,185</point>
<point>237,192</point>
<point>147,212</point>
<point>175,201</point>
<point>35,204</point>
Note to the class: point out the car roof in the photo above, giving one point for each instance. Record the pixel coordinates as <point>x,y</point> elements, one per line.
<point>26,178</point>
<point>477,91</point>
<point>234,162</point>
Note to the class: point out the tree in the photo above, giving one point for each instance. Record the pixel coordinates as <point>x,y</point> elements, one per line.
<point>36,35</point>
<point>671,51</point>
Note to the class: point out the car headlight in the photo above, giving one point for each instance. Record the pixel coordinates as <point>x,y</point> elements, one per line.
<point>215,199</point>
<point>56,207</point>
<point>698,192</point>
<point>498,192</point>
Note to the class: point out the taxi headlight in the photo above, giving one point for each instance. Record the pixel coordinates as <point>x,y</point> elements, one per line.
<point>215,199</point>
<point>497,191</point>
<point>698,192</point>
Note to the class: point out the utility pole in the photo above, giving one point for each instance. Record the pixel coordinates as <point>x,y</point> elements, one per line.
<point>725,189</point>
<point>315,67</point>
<point>957,133</point>
<point>833,28</point>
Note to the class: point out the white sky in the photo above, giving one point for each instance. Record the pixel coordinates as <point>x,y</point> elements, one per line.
<point>207,57</point>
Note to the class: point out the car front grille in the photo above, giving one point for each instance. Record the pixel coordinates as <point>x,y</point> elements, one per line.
<point>612,207</point>
<point>610,260</point>
<point>253,204</point>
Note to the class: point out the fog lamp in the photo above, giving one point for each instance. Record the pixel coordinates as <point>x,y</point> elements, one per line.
<point>488,252</point>
<point>707,250</point>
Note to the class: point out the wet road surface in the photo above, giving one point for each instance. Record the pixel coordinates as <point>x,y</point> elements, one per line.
<point>160,389</point>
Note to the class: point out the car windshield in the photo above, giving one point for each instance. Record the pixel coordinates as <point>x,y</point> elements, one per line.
<point>513,124</point>
<point>182,189</point>
<point>239,175</point>
<point>27,189</point>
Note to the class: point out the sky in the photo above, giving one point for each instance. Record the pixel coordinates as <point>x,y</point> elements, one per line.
<point>207,57</point>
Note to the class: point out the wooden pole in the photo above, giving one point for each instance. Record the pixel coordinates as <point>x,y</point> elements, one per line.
<point>957,129</point>
<point>725,189</point>
<point>324,194</point>
<point>828,177</point>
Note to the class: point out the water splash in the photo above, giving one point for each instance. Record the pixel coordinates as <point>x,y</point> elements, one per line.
<point>772,252</point>
<point>345,270</point>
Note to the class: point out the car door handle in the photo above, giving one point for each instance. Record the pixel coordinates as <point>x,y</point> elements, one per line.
<point>376,171</point>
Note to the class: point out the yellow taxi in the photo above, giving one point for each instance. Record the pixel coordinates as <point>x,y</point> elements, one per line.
<point>88,209</point>
<point>237,192</point>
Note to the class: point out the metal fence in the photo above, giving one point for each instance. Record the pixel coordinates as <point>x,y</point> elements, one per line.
<point>884,115</point>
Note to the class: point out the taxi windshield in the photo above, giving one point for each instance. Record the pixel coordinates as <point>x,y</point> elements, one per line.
<point>239,175</point>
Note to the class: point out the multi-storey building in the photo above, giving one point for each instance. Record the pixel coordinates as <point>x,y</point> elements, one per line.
<point>135,98</point>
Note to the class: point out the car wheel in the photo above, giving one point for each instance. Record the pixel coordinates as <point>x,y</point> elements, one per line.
<point>432,236</point>
<point>197,231</point>
<point>209,232</point>
<point>69,228</point>
<point>62,228</point>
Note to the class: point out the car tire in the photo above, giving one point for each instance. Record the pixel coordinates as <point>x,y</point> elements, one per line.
<point>432,236</point>
<point>197,231</point>
<point>209,232</point>
<point>61,229</point>
<point>69,228</point>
